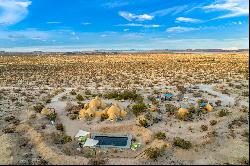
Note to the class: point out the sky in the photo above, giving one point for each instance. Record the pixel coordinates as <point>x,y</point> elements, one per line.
<point>79,25</point>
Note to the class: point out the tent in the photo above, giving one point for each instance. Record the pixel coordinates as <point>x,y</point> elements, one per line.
<point>91,142</point>
<point>82,133</point>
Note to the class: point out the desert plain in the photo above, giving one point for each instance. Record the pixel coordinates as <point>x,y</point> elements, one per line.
<point>132,81</point>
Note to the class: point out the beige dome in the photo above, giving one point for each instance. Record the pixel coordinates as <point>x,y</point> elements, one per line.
<point>115,112</point>
<point>96,102</point>
<point>208,107</point>
<point>86,112</point>
<point>182,112</point>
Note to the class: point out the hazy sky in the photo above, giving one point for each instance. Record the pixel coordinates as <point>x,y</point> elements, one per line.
<point>68,25</point>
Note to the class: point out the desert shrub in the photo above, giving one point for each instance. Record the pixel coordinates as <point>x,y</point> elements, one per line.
<point>223,112</point>
<point>160,135</point>
<point>111,95</point>
<point>179,142</point>
<point>243,109</point>
<point>192,109</point>
<point>38,107</point>
<point>69,106</point>
<point>170,108</point>
<point>73,116</point>
<point>245,134</point>
<point>54,138</point>
<point>139,108</point>
<point>204,127</point>
<point>9,129</point>
<point>52,116</point>
<point>79,97</point>
<point>238,122</point>
<point>70,148</point>
<point>245,93</point>
<point>212,133</point>
<point>88,153</point>
<point>97,161</point>
<point>9,118</point>
<point>16,121</point>
<point>60,127</point>
<point>182,89</point>
<point>124,95</point>
<point>87,92</point>
<point>152,99</point>
<point>213,122</point>
<point>63,98</point>
<point>143,123</point>
<point>104,116</point>
<point>218,103</point>
<point>154,153</point>
<point>66,139</point>
<point>72,92</point>
<point>156,119</point>
<point>39,161</point>
<point>80,104</point>
<point>197,94</point>
<point>244,161</point>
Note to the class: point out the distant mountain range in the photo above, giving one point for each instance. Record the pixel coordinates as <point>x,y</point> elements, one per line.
<point>102,51</point>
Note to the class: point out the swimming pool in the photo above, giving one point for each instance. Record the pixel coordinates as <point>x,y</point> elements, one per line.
<point>112,140</point>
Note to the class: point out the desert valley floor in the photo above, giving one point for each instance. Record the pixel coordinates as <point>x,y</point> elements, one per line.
<point>169,131</point>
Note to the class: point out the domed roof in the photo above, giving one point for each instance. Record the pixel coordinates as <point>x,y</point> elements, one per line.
<point>115,111</point>
<point>182,112</point>
<point>96,102</point>
<point>209,108</point>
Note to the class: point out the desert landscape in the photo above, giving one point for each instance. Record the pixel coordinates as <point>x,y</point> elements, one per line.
<point>179,108</point>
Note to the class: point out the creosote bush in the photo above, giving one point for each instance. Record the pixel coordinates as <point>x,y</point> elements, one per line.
<point>38,108</point>
<point>179,142</point>
<point>213,122</point>
<point>66,139</point>
<point>154,153</point>
<point>143,123</point>
<point>60,127</point>
<point>97,161</point>
<point>204,127</point>
<point>223,112</point>
<point>170,108</point>
<point>124,95</point>
<point>9,129</point>
<point>79,97</point>
<point>52,116</point>
<point>160,135</point>
<point>139,108</point>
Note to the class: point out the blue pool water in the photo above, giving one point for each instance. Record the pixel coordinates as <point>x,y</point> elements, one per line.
<point>113,141</point>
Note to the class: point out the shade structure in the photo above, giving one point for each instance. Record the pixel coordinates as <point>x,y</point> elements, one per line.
<point>82,133</point>
<point>91,142</point>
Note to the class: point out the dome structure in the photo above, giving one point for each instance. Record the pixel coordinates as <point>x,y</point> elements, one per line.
<point>182,112</point>
<point>115,112</point>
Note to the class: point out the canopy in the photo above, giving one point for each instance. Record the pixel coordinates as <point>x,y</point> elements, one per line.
<point>168,95</point>
<point>184,106</point>
<point>82,133</point>
<point>91,142</point>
